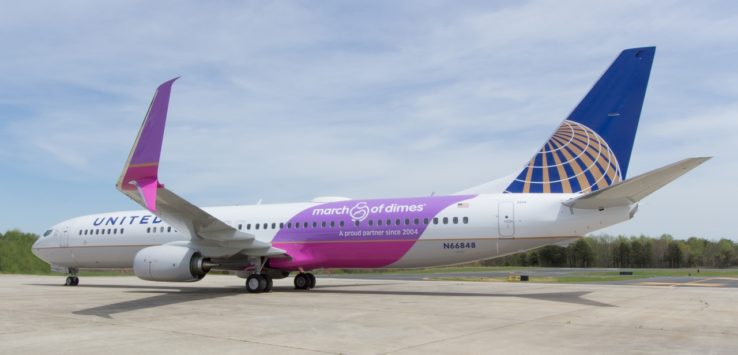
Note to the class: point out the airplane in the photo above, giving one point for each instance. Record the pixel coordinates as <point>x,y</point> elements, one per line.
<point>576,183</point>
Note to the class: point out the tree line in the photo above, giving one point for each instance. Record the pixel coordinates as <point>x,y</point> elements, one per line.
<point>16,255</point>
<point>594,251</point>
<point>629,252</point>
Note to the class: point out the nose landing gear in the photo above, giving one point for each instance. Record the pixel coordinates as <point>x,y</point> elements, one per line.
<point>72,279</point>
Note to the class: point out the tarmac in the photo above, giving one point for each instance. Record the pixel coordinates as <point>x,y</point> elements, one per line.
<point>110,315</point>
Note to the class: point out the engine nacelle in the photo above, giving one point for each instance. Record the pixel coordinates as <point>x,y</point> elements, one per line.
<point>170,263</point>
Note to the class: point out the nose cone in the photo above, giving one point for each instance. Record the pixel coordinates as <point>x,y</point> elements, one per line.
<point>34,247</point>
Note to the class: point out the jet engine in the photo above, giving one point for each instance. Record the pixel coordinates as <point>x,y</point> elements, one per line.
<point>170,263</point>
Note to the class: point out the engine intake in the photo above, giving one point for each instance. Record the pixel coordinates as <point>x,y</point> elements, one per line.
<point>170,263</point>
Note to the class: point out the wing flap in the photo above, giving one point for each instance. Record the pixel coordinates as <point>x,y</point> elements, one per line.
<point>635,189</point>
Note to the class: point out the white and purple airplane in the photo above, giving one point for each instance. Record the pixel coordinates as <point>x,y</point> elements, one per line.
<point>575,184</point>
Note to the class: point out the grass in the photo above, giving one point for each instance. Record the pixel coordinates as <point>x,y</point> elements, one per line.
<point>576,276</point>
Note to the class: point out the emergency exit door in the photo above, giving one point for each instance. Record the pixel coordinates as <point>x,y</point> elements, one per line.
<point>506,219</point>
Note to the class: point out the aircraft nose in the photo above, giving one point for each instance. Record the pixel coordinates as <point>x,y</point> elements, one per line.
<point>34,247</point>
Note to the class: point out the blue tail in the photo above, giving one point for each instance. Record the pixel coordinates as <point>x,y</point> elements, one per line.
<point>591,149</point>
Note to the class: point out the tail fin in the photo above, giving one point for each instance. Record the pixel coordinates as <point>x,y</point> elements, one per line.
<point>591,149</point>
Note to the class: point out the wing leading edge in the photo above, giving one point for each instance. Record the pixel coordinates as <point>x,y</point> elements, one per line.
<point>140,181</point>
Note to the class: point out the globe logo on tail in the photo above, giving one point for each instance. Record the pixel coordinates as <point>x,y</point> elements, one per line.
<point>575,159</point>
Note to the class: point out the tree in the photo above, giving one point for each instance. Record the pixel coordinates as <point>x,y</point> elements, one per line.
<point>622,252</point>
<point>673,255</point>
<point>552,255</point>
<point>580,254</point>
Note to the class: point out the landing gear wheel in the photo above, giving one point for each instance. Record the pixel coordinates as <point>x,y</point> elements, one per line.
<point>269,283</point>
<point>311,278</point>
<point>302,281</point>
<point>256,284</point>
<point>75,281</point>
<point>69,281</point>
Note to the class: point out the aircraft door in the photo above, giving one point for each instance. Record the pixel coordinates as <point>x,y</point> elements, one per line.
<point>64,237</point>
<point>506,219</point>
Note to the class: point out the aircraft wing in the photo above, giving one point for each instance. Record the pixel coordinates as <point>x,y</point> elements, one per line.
<point>635,189</point>
<point>140,181</point>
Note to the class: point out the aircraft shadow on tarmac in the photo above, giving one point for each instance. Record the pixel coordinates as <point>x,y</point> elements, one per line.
<point>168,295</point>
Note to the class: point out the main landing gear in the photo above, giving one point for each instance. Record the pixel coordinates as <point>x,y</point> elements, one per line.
<point>304,281</point>
<point>258,282</point>
<point>72,279</point>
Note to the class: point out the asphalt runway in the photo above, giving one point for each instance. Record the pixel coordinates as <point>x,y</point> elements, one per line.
<point>126,315</point>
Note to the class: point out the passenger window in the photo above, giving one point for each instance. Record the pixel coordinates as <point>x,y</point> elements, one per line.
<point>289,225</point>
<point>425,220</point>
<point>85,231</point>
<point>397,222</point>
<point>297,225</point>
<point>389,222</point>
<point>340,223</point>
<point>148,229</point>
<point>161,229</point>
<point>256,226</point>
<point>281,225</point>
<point>315,224</point>
<point>274,225</point>
<point>80,232</point>
<point>322,224</point>
<point>456,220</point>
<point>240,226</point>
<point>379,222</point>
<point>407,221</point>
<point>371,222</point>
<point>248,227</point>
<point>305,225</point>
<point>416,221</point>
<point>333,224</point>
<point>115,230</point>
<point>266,226</point>
<point>121,231</point>
<point>435,220</point>
<point>169,229</point>
<point>357,223</point>
<point>466,220</point>
<point>445,220</point>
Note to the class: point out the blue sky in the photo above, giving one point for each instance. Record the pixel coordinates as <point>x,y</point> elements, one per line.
<point>285,101</point>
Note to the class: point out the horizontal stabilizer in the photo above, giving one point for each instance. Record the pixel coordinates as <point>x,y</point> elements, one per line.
<point>635,189</point>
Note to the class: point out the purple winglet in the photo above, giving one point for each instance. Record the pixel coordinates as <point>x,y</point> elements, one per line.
<point>142,170</point>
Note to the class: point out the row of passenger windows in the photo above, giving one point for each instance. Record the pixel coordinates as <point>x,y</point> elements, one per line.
<point>370,222</point>
<point>101,231</point>
<point>161,229</point>
<point>297,225</point>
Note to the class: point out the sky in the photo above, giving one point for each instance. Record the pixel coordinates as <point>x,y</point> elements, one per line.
<point>284,101</point>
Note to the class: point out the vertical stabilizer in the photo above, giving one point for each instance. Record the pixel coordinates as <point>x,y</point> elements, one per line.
<point>591,149</point>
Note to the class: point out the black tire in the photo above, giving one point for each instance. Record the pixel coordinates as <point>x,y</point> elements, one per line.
<point>262,283</point>
<point>75,281</point>
<point>311,279</point>
<point>301,281</point>
<point>253,283</point>
<point>269,283</point>
<point>69,281</point>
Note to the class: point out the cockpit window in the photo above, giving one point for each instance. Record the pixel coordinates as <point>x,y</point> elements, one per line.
<point>48,232</point>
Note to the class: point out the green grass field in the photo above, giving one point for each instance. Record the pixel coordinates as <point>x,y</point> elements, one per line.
<point>578,275</point>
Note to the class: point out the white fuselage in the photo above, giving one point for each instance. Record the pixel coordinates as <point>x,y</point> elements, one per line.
<point>480,227</point>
